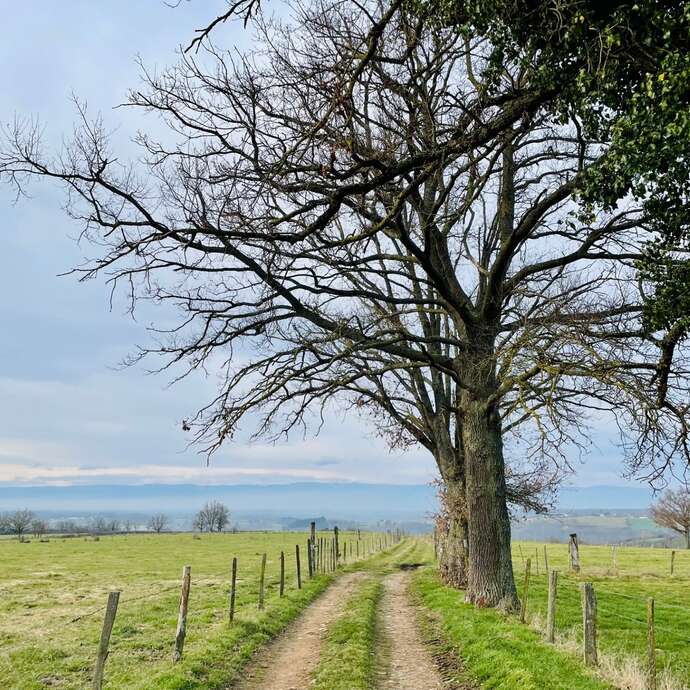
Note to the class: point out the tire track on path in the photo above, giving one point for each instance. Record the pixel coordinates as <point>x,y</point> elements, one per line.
<point>406,663</point>
<point>288,662</point>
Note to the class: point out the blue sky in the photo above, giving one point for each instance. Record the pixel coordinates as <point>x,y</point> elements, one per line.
<point>67,413</point>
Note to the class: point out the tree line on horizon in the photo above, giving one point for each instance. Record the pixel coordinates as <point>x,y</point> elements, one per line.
<point>214,516</point>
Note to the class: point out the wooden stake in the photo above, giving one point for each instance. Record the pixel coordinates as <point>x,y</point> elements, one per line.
<point>233,589</point>
<point>546,560</point>
<point>336,543</point>
<point>262,579</point>
<point>525,592</point>
<point>551,607</point>
<point>651,651</point>
<point>574,553</point>
<point>673,561</point>
<point>282,573</point>
<point>108,621</point>
<point>614,562</point>
<point>522,555</point>
<point>310,563</point>
<point>299,570</point>
<point>589,624</point>
<point>181,632</point>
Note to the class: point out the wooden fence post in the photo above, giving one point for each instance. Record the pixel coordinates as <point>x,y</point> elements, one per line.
<point>299,571</point>
<point>336,544</point>
<point>536,560</point>
<point>182,614</point>
<point>344,552</point>
<point>310,564</point>
<point>614,562</point>
<point>651,651</point>
<point>673,561</point>
<point>233,589</point>
<point>574,553</point>
<point>357,549</point>
<point>282,573</point>
<point>262,578</point>
<point>522,555</point>
<point>108,621</point>
<point>525,592</point>
<point>546,560</point>
<point>551,609</point>
<point>589,624</point>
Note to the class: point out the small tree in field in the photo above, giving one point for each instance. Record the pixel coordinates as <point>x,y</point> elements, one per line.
<point>19,522</point>
<point>673,511</point>
<point>39,528</point>
<point>158,523</point>
<point>214,517</point>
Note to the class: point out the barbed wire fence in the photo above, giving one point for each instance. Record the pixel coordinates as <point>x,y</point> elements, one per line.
<point>324,555</point>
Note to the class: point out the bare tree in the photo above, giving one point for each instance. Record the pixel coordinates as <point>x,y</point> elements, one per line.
<point>38,527</point>
<point>19,522</point>
<point>158,522</point>
<point>213,517</point>
<point>391,221</point>
<point>672,510</point>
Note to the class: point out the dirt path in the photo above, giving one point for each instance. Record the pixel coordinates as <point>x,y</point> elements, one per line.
<point>288,663</point>
<point>406,663</point>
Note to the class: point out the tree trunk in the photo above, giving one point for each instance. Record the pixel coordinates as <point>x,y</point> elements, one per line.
<point>453,560</point>
<point>490,579</point>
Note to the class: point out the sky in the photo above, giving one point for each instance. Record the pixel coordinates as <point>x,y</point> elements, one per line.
<point>69,414</point>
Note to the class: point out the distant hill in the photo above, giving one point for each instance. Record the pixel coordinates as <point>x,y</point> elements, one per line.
<point>633,496</point>
<point>301,501</point>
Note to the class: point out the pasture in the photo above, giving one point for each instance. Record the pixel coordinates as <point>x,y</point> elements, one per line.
<point>624,579</point>
<point>52,596</point>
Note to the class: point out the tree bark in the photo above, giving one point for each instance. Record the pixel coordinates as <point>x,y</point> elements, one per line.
<point>490,579</point>
<point>453,560</point>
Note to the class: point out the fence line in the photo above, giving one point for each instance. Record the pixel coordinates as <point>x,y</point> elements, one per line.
<point>329,560</point>
<point>592,609</point>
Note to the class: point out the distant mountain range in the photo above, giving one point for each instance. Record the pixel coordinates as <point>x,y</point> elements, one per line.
<point>352,501</point>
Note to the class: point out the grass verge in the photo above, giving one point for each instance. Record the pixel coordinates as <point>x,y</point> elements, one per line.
<point>347,658</point>
<point>498,652</point>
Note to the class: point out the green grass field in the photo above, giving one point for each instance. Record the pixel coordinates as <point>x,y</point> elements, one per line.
<point>45,586</point>
<point>498,652</point>
<point>52,596</point>
<point>622,591</point>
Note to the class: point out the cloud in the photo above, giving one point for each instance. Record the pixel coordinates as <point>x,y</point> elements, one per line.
<point>64,475</point>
